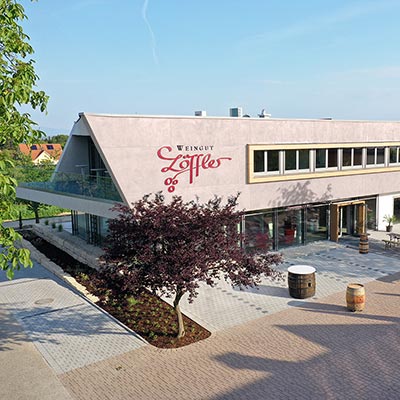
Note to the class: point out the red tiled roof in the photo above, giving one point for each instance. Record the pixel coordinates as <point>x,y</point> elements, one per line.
<point>52,149</point>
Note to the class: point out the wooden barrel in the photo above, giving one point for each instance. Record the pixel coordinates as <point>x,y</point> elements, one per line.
<point>355,297</point>
<point>301,281</point>
<point>364,247</point>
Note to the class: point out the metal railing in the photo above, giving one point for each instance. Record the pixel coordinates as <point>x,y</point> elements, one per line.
<point>96,187</point>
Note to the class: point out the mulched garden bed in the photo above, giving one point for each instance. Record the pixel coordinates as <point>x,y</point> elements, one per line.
<point>146,314</point>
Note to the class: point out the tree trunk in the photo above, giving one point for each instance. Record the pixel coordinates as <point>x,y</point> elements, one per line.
<point>37,220</point>
<point>181,327</point>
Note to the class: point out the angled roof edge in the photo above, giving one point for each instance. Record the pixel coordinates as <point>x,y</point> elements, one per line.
<point>82,127</point>
<point>102,155</point>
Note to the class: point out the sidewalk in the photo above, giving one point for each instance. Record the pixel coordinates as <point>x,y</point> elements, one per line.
<point>265,345</point>
<point>25,373</point>
<point>47,329</point>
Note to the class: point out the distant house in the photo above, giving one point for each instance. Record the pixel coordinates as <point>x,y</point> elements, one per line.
<point>42,152</point>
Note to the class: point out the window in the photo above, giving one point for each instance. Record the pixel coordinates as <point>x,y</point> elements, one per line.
<point>326,158</point>
<point>259,165</point>
<point>50,147</point>
<point>370,156</point>
<point>273,160</point>
<point>320,158</point>
<point>34,147</point>
<point>375,156</point>
<point>347,157</point>
<point>393,155</point>
<point>357,159</point>
<point>266,161</point>
<point>332,158</point>
<point>380,155</point>
<point>259,231</point>
<point>352,157</point>
<point>296,160</point>
<point>291,161</point>
<point>304,159</point>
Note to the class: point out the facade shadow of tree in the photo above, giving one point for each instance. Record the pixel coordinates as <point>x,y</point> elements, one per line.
<point>340,362</point>
<point>300,193</point>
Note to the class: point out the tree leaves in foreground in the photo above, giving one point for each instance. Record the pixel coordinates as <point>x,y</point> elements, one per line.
<point>170,248</point>
<point>17,88</point>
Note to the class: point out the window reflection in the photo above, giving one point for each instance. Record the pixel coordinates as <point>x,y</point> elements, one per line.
<point>316,223</point>
<point>259,232</point>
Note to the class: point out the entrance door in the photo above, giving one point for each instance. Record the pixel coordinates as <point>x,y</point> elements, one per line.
<point>347,218</point>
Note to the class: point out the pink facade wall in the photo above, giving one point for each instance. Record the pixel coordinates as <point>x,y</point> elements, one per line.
<point>129,146</point>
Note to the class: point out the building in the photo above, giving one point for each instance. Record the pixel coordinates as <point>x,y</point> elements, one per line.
<point>43,152</point>
<point>300,180</point>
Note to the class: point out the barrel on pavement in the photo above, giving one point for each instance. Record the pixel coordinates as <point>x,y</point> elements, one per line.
<point>364,246</point>
<point>355,297</point>
<point>301,280</point>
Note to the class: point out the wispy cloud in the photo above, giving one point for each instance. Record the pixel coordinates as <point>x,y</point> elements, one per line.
<point>152,36</point>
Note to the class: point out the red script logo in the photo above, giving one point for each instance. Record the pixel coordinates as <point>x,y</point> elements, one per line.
<point>188,163</point>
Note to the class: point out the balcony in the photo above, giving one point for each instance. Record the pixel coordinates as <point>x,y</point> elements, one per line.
<point>78,185</point>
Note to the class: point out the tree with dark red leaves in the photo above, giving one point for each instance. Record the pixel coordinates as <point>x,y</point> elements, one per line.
<point>170,248</point>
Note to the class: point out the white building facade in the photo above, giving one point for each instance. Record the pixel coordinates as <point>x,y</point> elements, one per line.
<point>300,180</point>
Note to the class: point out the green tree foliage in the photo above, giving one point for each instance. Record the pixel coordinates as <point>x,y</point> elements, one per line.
<point>26,171</point>
<point>17,88</point>
<point>60,139</point>
<point>23,169</point>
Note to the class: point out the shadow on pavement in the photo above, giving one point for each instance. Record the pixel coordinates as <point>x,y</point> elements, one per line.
<point>342,310</point>
<point>11,333</point>
<point>338,362</point>
<point>390,278</point>
<point>266,290</point>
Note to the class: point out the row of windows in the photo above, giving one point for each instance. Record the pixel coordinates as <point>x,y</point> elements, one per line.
<point>310,160</point>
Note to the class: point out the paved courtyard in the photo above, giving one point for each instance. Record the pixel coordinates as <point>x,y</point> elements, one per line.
<point>223,307</point>
<point>265,344</point>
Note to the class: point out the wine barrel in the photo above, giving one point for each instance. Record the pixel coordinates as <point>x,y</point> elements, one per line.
<point>355,297</point>
<point>301,281</point>
<point>364,247</point>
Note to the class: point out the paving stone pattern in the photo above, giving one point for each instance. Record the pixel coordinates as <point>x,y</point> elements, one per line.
<point>316,350</point>
<point>265,344</point>
<point>69,331</point>
<point>78,336</point>
<point>223,307</point>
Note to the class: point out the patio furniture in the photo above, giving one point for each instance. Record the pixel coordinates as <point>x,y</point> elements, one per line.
<point>393,241</point>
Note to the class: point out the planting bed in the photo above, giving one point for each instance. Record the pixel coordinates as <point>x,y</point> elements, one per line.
<point>146,314</point>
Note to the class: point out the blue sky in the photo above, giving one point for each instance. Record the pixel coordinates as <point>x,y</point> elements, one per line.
<point>296,59</point>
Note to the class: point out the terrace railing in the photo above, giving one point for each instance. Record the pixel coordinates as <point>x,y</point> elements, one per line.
<point>89,186</point>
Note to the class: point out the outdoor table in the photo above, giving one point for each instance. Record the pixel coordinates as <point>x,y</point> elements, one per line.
<point>394,236</point>
<point>301,281</point>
